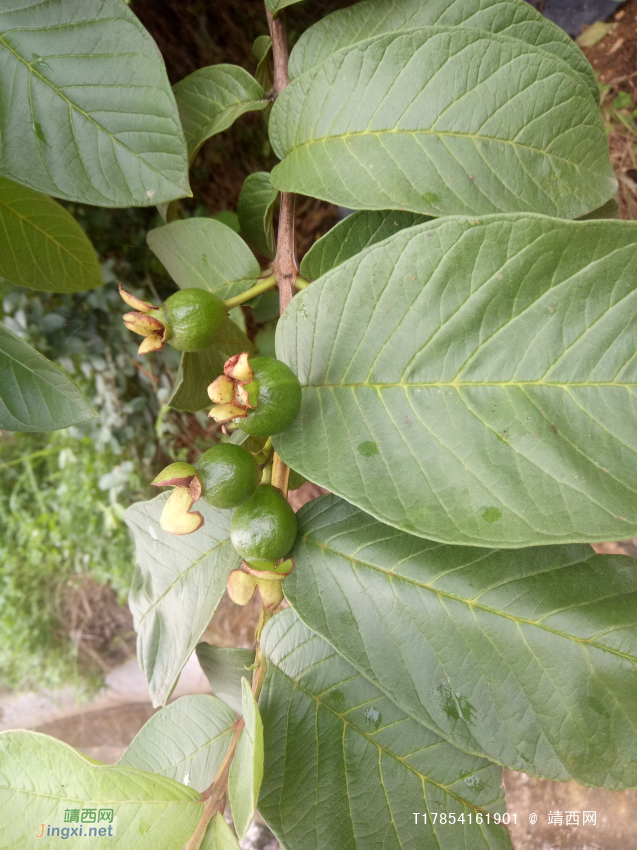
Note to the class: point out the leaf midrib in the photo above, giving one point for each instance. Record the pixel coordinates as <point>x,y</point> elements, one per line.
<point>457,384</point>
<point>470,603</point>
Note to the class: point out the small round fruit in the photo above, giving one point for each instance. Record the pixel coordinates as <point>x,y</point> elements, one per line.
<point>277,393</point>
<point>192,318</point>
<point>228,474</point>
<point>264,527</point>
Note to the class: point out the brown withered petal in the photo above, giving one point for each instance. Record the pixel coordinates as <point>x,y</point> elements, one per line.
<point>241,397</point>
<point>176,474</point>
<point>241,587</point>
<point>194,488</point>
<point>238,368</point>
<point>177,518</point>
<point>221,390</point>
<point>153,342</point>
<point>226,412</point>
<point>135,303</point>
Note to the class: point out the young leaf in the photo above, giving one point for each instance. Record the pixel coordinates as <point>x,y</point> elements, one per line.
<point>205,254</point>
<point>511,18</point>
<point>211,99</point>
<point>473,123</point>
<point>453,388</point>
<point>226,667</point>
<point>610,210</point>
<point>42,778</point>
<point>178,583</point>
<point>276,5</point>
<point>185,741</point>
<point>35,394</point>
<point>219,836</point>
<point>88,112</point>
<point>199,368</point>
<point>43,247</point>
<point>262,51</point>
<point>352,235</point>
<point>528,656</point>
<point>246,770</point>
<point>346,768</point>
<point>255,210</point>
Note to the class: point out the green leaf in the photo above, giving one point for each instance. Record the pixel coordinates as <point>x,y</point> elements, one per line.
<point>352,235</point>
<point>475,381</point>
<point>41,778</point>
<point>527,656</point>
<point>255,210</point>
<point>276,5</point>
<point>219,836</point>
<point>87,110</point>
<point>177,585</point>
<point>35,394</point>
<point>470,125</point>
<point>262,51</point>
<point>346,768</point>
<point>246,770</point>
<point>511,18</point>
<point>198,369</point>
<point>226,668</point>
<point>610,210</point>
<point>211,100</point>
<point>186,741</point>
<point>205,254</point>
<point>43,247</point>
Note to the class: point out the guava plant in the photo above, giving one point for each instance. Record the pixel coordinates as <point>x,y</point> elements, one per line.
<point>456,364</point>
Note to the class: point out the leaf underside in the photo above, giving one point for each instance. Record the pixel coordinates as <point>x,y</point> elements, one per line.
<point>185,741</point>
<point>529,657</point>
<point>346,768</point>
<point>255,210</point>
<point>246,770</point>
<point>225,667</point>
<point>177,585</point>
<point>43,247</point>
<point>87,110</point>
<point>475,381</point>
<point>205,254</point>
<point>511,18</point>
<point>444,122</point>
<point>35,394</point>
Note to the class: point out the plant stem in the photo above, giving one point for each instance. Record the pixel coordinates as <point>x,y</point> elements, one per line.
<point>263,286</point>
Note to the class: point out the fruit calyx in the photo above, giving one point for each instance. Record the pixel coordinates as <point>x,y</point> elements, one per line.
<point>151,327</point>
<point>233,393</point>
<point>177,516</point>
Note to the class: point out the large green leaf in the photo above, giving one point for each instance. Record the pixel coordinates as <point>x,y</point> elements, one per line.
<point>512,18</point>
<point>198,369</point>
<point>255,210</point>
<point>42,778</point>
<point>87,112</point>
<point>185,741</point>
<point>475,381</point>
<point>346,768</point>
<point>35,394</point>
<point>42,246</point>
<point>225,668</point>
<point>205,254</point>
<point>212,99</point>
<point>177,584</point>
<point>527,656</point>
<point>443,121</point>
<point>246,770</point>
<point>352,235</point>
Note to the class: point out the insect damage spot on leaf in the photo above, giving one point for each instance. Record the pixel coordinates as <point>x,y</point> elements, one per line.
<point>491,514</point>
<point>367,449</point>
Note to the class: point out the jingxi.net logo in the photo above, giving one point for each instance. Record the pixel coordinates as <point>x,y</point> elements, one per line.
<point>87,822</point>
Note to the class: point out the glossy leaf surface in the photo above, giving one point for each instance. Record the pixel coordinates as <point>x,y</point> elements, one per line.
<point>349,237</point>
<point>41,777</point>
<point>177,585</point>
<point>87,110</point>
<point>185,741</point>
<point>225,668</point>
<point>35,394</point>
<point>212,98</point>
<point>198,369</point>
<point>511,18</point>
<point>443,121</point>
<point>255,210</point>
<point>527,656</point>
<point>345,767</point>
<point>246,770</point>
<point>475,381</point>
<point>205,254</point>
<point>43,247</point>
